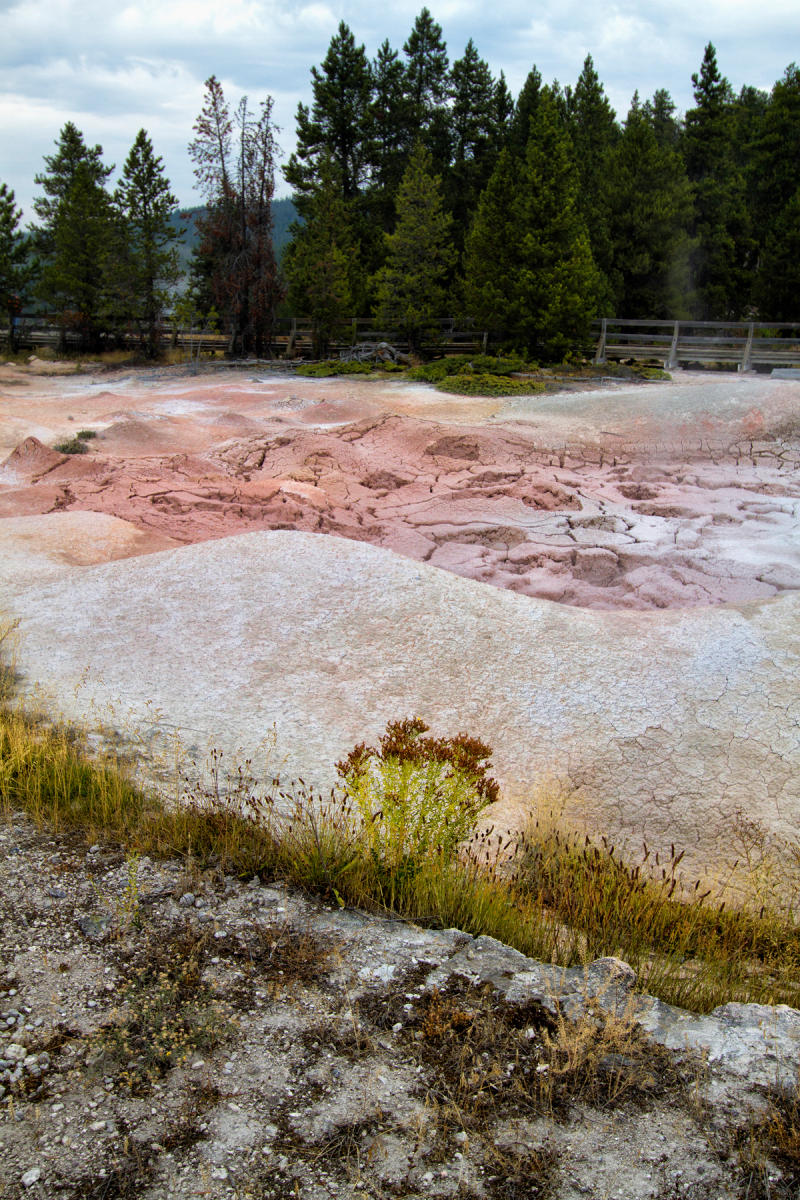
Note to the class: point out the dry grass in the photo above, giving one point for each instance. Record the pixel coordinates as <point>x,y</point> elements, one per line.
<point>772,1141</point>
<point>168,1013</point>
<point>487,1059</point>
<point>566,900</point>
<point>686,945</point>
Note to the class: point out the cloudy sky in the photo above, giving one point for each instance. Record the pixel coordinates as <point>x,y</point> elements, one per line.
<point>114,68</point>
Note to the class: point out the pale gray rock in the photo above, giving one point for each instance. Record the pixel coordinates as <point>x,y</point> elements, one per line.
<point>643,725</point>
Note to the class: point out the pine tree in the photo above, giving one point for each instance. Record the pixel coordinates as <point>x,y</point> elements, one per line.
<point>650,208</point>
<point>74,280</point>
<point>525,108</point>
<point>71,152</point>
<point>660,112</point>
<point>234,159</point>
<point>529,272</point>
<point>560,283</point>
<point>594,132</point>
<point>14,268</point>
<point>75,237</point>
<point>775,146</point>
<point>148,265</point>
<point>391,134</point>
<point>338,124</point>
<point>474,135</point>
<point>412,288</point>
<point>778,285</point>
<point>322,263</point>
<point>503,112</point>
<point>492,253</point>
<point>427,86</point>
<point>723,256</point>
<point>773,177</point>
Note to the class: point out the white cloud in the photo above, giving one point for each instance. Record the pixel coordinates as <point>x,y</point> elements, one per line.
<point>113,71</point>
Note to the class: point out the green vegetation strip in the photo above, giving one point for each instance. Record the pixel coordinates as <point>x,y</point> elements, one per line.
<point>478,374</point>
<point>335,366</point>
<point>395,837</point>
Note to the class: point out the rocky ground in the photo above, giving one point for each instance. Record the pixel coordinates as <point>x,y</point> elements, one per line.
<point>167,1031</point>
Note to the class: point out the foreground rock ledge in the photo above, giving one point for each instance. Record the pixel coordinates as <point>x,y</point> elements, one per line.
<point>323,1076</point>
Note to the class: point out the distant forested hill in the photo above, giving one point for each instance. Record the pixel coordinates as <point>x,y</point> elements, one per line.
<point>283,213</point>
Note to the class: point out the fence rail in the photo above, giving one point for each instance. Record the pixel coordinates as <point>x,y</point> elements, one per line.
<point>743,344</point>
<point>290,334</point>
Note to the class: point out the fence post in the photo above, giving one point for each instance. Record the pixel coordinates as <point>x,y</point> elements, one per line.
<point>600,353</point>
<point>744,365</point>
<point>672,361</point>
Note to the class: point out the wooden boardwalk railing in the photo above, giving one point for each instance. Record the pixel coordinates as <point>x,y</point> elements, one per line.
<point>290,333</point>
<point>743,344</point>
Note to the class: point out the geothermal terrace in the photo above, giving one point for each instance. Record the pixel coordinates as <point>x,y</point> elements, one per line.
<point>603,584</point>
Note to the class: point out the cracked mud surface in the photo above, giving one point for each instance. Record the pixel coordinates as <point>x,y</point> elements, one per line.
<point>655,496</point>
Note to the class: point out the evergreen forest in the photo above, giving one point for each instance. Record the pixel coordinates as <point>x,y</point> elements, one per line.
<point>423,188</point>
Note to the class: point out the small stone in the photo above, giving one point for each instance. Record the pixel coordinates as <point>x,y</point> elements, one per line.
<point>219,1173</point>
<point>198,1064</point>
<point>93,926</point>
<point>398,1025</point>
<point>187,899</point>
<point>31,1177</point>
<point>221,933</point>
<point>15,1052</point>
<point>96,1126</point>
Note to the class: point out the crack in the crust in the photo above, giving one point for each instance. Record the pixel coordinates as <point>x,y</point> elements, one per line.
<point>575,488</point>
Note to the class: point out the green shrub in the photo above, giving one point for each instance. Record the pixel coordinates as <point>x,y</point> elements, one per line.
<point>76,445</point>
<point>489,385</point>
<point>86,435</point>
<point>654,373</point>
<point>437,370</point>
<point>477,375</point>
<point>325,370</point>
<point>418,796</point>
<point>504,365</point>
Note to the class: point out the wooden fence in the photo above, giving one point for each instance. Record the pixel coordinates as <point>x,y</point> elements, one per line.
<point>294,334</point>
<point>743,344</point>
